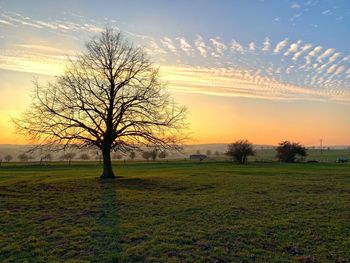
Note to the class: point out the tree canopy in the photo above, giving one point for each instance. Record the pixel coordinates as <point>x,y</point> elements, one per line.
<point>240,150</point>
<point>287,151</point>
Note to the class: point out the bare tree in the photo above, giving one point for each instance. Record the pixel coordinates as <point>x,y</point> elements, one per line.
<point>8,158</point>
<point>154,154</point>
<point>84,156</point>
<point>163,154</point>
<point>111,98</point>
<point>45,157</point>
<point>68,156</point>
<point>117,156</point>
<point>240,150</point>
<point>23,157</point>
<point>146,155</point>
<point>208,153</point>
<point>132,155</point>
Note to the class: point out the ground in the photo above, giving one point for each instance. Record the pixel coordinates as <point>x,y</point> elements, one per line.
<point>175,211</point>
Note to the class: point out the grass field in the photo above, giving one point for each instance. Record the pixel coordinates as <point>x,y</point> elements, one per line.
<point>176,211</point>
<point>312,154</point>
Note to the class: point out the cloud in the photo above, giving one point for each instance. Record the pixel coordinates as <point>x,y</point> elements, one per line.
<point>185,46</point>
<point>331,68</point>
<point>5,22</point>
<point>339,70</point>
<point>259,79</point>
<point>46,49</point>
<point>168,43</point>
<point>266,44</point>
<point>301,51</point>
<point>25,22</point>
<point>201,46</point>
<point>315,51</point>
<point>346,58</point>
<point>251,46</point>
<point>326,12</point>
<point>39,64</point>
<point>230,82</point>
<point>153,48</point>
<point>237,47</point>
<point>218,46</point>
<point>295,5</point>
<point>311,54</point>
<point>280,45</point>
<point>325,54</point>
<point>293,48</point>
<point>334,57</point>
<point>15,19</point>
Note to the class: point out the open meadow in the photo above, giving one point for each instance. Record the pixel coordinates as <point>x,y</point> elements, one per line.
<point>175,211</point>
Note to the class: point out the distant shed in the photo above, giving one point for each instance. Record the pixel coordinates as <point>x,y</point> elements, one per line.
<point>199,157</point>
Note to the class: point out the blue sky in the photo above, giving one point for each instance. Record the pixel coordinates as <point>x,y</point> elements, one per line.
<point>246,20</point>
<point>296,52</point>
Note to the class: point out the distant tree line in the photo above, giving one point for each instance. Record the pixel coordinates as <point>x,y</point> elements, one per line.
<point>239,151</point>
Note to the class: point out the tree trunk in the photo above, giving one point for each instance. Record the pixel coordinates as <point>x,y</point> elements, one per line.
<point>107,164</point>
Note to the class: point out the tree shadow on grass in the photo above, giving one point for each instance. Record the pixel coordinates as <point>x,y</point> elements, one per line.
<point>140,184</point>
<point>106,237</point>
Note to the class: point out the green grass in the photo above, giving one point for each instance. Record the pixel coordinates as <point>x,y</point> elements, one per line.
<point>312,154</point>
<point>176,212</point>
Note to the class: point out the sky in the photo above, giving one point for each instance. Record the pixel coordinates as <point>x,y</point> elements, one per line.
<point>266,71</point>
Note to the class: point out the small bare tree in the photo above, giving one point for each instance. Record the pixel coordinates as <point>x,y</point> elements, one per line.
<point>46,157</point>
<point>240,150</point>
<point>68,156</point>
<point>146,155</point>
<point>154,154</point>
<point>23,157</point>
<point>8,158</point>
<point>84,156</point>
<point>117,156</point>
<point>132,155</point>
<point>163,154</point>
<point>111,98</point>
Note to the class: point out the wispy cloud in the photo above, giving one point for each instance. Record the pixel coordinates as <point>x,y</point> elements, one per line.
<point>280,45</point>
<point>266,44</point>
<point>168,43</point>
<point>201,46</point>
<point>326,12</point>
<point>325,54</point>
<point>293,48</point>
<point>302,50</point>
<point>218,46</point>
<point>185,46</point>
<point>245,70</point>
<point>237,47</point>
<point>5,22</point>
<point>251,46</point>
<point>334,57</point>
<point>240,83</point>
<point>295,5</point>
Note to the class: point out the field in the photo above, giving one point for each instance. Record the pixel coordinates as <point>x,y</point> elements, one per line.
<point>312,154</point>
<point>175,211</point>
